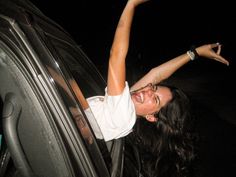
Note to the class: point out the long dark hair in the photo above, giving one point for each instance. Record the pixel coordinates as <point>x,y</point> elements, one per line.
<point>167,146</point>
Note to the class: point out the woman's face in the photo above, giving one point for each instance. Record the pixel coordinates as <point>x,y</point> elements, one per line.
<point>150,99</point>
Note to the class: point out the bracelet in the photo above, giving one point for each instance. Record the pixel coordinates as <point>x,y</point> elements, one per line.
<point>192,53</point>
<point>193,49</point>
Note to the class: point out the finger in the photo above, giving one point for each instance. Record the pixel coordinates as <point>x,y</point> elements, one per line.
<point>221,59</point>
<point>219,50</point>
<point>215,45</point>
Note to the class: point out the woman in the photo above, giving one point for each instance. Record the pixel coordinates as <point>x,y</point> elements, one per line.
<point>162,131</point>
<point>116,112</point>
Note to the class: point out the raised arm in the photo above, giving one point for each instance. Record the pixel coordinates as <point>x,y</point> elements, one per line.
<point>165,70</point>
<point>119,49</point>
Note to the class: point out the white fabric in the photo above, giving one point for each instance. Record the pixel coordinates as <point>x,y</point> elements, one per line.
<point>115,115</point>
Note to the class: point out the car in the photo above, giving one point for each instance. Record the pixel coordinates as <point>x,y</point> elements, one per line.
<point>45,77</point>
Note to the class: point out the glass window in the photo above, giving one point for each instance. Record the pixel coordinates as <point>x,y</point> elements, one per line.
<point>85,81</point>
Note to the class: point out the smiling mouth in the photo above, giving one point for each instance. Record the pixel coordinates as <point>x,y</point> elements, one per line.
<point>139,97</point>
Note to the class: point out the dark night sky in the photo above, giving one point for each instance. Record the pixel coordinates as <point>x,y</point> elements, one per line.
<point>161,29</point>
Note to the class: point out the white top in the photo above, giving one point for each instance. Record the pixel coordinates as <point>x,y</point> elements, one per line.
<point>115,115</point>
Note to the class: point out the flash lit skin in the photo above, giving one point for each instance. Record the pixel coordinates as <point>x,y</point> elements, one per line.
<point>148,101</point>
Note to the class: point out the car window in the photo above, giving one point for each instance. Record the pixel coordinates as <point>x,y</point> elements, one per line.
<point>86,75</point>
<point>85,81</point>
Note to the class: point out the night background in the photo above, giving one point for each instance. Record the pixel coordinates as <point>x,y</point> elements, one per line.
<point>163,30</point>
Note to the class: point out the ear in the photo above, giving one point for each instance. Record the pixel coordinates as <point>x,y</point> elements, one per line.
<point>151,118</point>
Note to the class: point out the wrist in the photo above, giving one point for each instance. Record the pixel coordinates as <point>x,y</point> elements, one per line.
<point>192,53</point>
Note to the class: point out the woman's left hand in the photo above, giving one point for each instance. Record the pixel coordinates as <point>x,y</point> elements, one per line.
<point>208,52</point>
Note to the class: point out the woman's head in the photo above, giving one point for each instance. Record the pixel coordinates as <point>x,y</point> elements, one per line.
<point>150,99</point>
<point>167,105</point>
<point>170,136</point>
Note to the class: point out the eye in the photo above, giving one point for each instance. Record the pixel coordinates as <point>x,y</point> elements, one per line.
<point>149,85</point>
<point>154,87</point>
<point>157,99</point>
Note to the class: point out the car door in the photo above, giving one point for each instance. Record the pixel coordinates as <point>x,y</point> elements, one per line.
<point>44,128</point>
